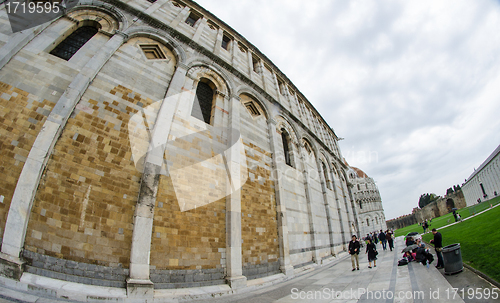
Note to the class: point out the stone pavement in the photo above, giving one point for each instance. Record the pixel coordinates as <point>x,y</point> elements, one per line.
<point>333,282</point>
<point>337,283</point>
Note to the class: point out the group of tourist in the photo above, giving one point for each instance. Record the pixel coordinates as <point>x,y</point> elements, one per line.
<point>418,252</point>
<point>425,225</point>
<point>371,240</point>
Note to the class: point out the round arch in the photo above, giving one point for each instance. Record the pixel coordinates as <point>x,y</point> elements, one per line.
<point>167,41</point>
<point>247,91</point>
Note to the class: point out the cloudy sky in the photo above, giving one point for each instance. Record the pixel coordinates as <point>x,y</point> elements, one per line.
<point>412,86</point>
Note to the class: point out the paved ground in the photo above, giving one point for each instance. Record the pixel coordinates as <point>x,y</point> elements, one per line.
<point>385,283</point>
<point>337,283</point>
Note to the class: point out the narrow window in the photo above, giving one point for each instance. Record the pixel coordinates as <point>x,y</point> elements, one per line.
<point>325,172</point>
<point>192,18</point>
<point>286,147</point>
<point>202,107</point>
<point>281,87</point>
<point>367,222</point>
<point>69,46</point>
<point>255,64</point>
<point>225,42</point>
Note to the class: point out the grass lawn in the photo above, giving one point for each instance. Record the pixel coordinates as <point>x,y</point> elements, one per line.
<point>479,241</point>
<point>448,218</point>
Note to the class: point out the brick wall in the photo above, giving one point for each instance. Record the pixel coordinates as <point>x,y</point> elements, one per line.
<point>85,203</point>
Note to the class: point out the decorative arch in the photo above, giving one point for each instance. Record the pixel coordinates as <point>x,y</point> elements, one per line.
<point>253,106</point>
<point>109,21</point>
<point>307,147</point>
<point>248,92</point>
<point>198,72</point>
<point>201,61</point>
<point>282,123</point>
<point>106,8</point>
<point>167,41</point>
<point>289,140</point>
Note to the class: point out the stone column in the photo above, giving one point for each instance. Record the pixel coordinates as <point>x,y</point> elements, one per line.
<point>285,263</point>
<point>327,205</point>
<point>344,184</point>
<point>155,6</point>
<point>316,258</point>
<point>199,30</point>
<point>27,184</point>
<point>18,40</point>
<point>180,17</point>
<point>218,41</point>
<point>138,283</point>
<point>234,157</point>
<point>250,65</point>
<point>353,206</point>
<point>337,201</point>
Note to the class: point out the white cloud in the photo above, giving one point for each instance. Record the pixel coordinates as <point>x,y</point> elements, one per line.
<point>413,86</point>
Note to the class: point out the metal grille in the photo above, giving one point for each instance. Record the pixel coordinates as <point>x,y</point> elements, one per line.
<point>69,46</point>
<point>204,95</point>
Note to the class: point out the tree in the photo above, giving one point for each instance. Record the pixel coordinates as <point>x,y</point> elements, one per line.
<point>426,199</point>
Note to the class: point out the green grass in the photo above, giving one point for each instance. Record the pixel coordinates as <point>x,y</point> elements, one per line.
<point>448,218</point>
<point>479,241</point>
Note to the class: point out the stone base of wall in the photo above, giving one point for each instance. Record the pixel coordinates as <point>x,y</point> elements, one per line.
<point>168,279</point>
<point>11,267</point>
<point>261,270</point>
<point>72,271</point>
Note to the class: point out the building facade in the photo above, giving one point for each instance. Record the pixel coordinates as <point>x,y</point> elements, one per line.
<point>368,202</point>
<point>147,145</point>
<point>484,183</point>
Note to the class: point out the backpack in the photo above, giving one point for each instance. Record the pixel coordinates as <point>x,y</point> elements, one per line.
<point>402,262</point>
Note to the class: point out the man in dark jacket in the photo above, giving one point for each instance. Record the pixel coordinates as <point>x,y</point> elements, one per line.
<point>354,251</point>
<point>438,246</point>
<point>382,239</point>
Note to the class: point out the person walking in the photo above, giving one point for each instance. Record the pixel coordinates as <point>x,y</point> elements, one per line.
<point>371,250</point>
<point>375,238</point>
<point>354,252</point>
<point>390,240</point>
<point>382,239</point>
<point>438,246</point>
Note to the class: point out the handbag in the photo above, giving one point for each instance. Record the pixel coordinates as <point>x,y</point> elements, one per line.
<point>376,253</point>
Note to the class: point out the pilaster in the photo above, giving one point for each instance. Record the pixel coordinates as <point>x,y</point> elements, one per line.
<point>324,189</point>
<point>285,263</point>
<point>24,194</point>
<point>18,40</point>
<point>312,223</point>
<point>234,158</point>
<point>139,282</point>
<point>180,17</point>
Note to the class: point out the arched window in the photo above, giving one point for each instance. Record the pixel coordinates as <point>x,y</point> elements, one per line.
<point>69,46</point>
<point>203,105</point>
<point>325,172</point>
<point>286,147</point>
